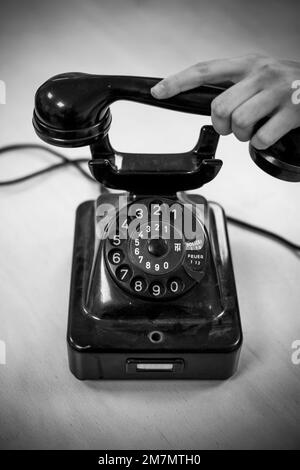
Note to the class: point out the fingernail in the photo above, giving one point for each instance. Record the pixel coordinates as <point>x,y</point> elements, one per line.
<point>158,91</point>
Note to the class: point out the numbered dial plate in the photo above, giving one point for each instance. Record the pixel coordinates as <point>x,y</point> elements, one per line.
<point>149,254</point>
<point>156,255</point>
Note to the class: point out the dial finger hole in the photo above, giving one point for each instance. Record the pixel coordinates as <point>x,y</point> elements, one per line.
<point>116,256</point>
<point>116,239</point>
<point>124,273</point>
<point>156,289</point>
<point>175,285</point>
<point>138,284</point>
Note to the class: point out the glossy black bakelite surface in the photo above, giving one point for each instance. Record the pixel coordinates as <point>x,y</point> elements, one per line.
<point>72,110</point>
<point>172,172</point>
<point>139,307</point>
<point>110,327</point>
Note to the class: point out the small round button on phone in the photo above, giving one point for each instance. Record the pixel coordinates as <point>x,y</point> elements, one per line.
<point>138,284</point>
<point>175,285</point>
<point>116,256</point>
<point>124,273</point>
<point>157,247</point>
<point>156,289</point>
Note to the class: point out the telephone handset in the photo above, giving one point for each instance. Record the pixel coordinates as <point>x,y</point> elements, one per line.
<point>72,110</point>
<point>152,292</point>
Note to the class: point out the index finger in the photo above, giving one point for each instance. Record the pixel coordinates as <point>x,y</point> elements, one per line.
<point>213,71</point>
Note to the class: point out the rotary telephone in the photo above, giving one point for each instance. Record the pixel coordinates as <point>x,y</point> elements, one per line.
<point>152,289</point>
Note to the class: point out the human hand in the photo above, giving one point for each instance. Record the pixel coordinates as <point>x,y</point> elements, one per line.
<point>264,89</point>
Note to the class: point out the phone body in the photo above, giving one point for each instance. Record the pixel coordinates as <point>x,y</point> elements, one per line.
<point>190,330</point>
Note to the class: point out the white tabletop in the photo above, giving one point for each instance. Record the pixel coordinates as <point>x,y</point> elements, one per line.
<point>41,404</point>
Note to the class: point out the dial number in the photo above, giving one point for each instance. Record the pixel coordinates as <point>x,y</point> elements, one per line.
<point>156,289</point>
<point>156,258</point>
<point>116,256</point>
<point>139,213</point>
<point>138,284</point>
<point>115,241</point>
<point>124,273</point>
<point>175,285</point>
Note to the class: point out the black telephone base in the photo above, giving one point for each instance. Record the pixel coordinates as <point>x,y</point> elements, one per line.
<point>129,346</point>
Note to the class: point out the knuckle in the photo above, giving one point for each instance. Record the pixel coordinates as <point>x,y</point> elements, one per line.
<point>240,120</point>
<point>167,84</point>
<point>269,68</point>
<point>219,110</point>
<point>175,85</point>
<point>255,57</point>
<point>202,69</point>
